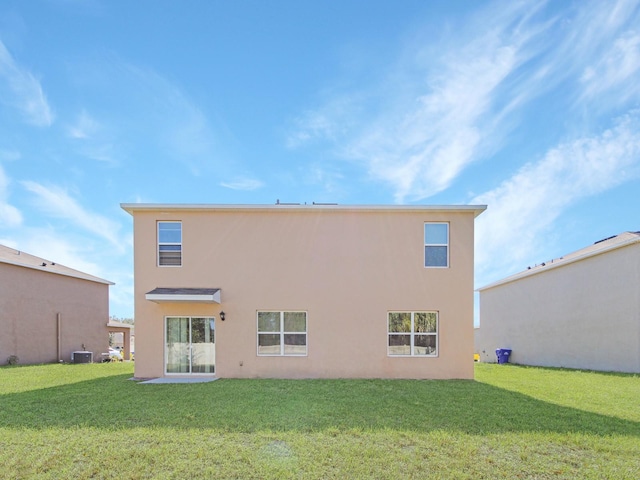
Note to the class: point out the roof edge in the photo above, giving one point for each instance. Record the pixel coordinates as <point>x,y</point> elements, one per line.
<point>81,275</point>
<point>546,268</point>
<point>20,258</point>
<point>134,207</point>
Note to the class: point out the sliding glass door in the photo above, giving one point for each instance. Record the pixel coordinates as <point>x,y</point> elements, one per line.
<point>190,345</point>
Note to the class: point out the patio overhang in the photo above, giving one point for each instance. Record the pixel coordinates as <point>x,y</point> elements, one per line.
<point>191,295</point>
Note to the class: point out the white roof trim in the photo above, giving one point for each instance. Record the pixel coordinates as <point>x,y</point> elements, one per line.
<point>49,267</point>
<point>133,207</point>
<point>558,264</point>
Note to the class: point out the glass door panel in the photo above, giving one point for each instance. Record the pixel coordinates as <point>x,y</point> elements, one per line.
<point>202,345</point>
<point>177,347</point>
<point>190,345</point>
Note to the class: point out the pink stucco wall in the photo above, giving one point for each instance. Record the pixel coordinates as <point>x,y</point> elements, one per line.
<point>347,268</point>
<point>30,302</point>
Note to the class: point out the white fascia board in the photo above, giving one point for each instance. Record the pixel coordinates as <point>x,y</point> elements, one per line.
<point>133,207</point>
<point>558,264</point>
<point>48,269</point>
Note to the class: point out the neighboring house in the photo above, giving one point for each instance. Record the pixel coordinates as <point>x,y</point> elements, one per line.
<point>48,311</point>
<point>304,291</point>
<point>122,336</point>
<point>578,311</point>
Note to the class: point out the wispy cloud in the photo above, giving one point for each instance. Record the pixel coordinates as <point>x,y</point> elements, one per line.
<point>84,127</point>
<point>56,202</point>
<point>149,115</point>
<point>329,178</point>
<point>92,139</point>
<point>526,205</point>
<point>10,216</point>
<point>182,127</point>
<point>431,129</point>
<point>246,184</point>
<point>20,89</point>
<point>330,122</point>
<point>616,70</point>
<point>451,101</point>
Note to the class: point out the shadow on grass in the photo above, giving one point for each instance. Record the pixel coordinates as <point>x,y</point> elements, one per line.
<point>570,370</point>
<point>300,405</point>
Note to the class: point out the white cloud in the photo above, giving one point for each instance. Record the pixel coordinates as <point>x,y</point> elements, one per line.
<point>23,91</point>
<point>526,205</point>
<point>56,202</point>
<point>10,216</point>
<point>330,122</point>
<point>147,116</point>
<point>84,127</point>
<point>243,184</point>
<point>329,178</point>
<point>93,140</point>
<point>616,70</point>
<point>182,128</point>
<point>454,99</point>
<point>438,109</point>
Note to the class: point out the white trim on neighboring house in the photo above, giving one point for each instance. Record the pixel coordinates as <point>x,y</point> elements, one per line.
<point>591,251</point>
<point>18,258</point>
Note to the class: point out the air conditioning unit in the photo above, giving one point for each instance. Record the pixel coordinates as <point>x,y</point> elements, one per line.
<point>82,357</point>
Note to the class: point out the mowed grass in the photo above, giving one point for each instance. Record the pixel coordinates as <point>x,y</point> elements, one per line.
<point>91,421</point>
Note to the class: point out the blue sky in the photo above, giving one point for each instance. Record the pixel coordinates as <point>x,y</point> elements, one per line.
<point>530,107</point>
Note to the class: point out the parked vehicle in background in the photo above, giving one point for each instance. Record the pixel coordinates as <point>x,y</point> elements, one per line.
<point>115,355</point>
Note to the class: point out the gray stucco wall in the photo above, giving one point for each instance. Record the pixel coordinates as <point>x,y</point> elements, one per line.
<point>585,314</point>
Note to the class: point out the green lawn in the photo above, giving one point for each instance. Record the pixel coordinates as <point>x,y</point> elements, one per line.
<point>90,421</point>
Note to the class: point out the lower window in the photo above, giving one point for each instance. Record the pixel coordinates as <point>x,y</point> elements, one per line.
<point>282,333</point>
<point>413,333</point>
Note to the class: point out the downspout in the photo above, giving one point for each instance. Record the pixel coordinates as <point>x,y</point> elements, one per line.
<point>58,330</point>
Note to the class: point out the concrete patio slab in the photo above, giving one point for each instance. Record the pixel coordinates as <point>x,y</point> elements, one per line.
<point>181,380</point>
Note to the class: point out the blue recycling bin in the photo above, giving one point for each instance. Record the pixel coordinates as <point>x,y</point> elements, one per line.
<point>503,355</point>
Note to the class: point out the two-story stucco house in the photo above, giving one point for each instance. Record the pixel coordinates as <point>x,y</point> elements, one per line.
<point>304,291</point>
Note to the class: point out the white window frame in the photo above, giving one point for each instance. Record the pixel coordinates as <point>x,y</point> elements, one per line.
<point>159,243</point>
<point>282,333</point>
<point>426,245</point>
<point>413,334</point>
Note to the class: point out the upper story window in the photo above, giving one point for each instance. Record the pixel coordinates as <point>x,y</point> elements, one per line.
<point>282,333</point>
<point>169,244</point>
<point>436,245</point>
